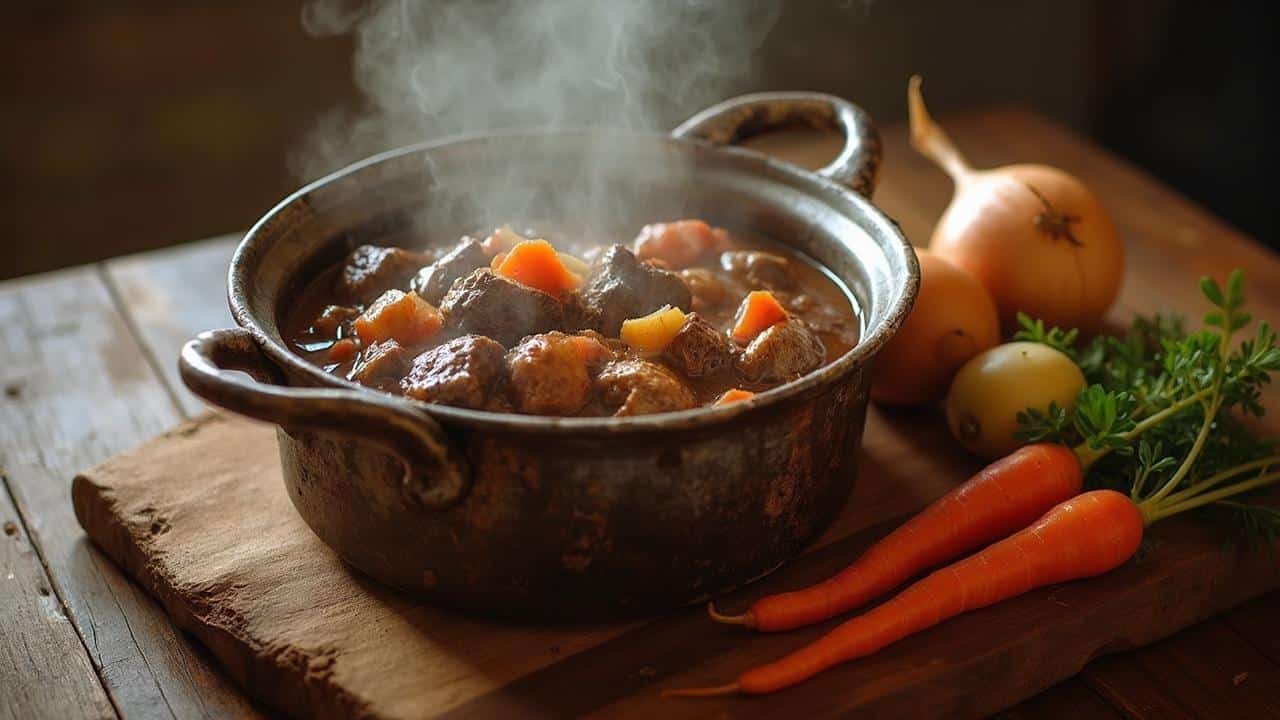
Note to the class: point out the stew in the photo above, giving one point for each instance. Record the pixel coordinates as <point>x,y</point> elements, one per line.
<point>686,315</point>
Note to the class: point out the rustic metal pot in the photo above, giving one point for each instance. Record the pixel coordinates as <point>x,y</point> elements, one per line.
<point>529,515</point>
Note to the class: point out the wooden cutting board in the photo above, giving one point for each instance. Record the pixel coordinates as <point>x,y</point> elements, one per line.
<point>200,518</point>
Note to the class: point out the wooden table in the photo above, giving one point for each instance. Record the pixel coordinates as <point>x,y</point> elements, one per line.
<point>87,370</point>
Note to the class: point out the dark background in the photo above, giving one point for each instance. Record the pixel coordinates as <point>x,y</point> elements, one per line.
<point>127,125</point>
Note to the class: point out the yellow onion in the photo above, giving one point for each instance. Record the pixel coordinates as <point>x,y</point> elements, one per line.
<point>1037,237</point>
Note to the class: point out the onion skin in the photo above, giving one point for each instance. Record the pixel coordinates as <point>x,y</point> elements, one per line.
<point>954,319</point>
<point>1035,236</point>
<point>990,230</point>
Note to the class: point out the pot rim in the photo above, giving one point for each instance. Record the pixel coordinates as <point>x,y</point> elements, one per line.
<point>869,342</point>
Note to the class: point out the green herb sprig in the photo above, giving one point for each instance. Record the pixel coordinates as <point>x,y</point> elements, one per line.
<point>1160,418</point>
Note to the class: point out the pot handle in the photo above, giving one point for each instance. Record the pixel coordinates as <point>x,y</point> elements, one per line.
<point>736,119</point>
<point>435,475</point>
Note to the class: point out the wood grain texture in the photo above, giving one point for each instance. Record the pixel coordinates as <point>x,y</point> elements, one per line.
<point>44,670</point>
<point>1206,671</point>
<point>78,389</point>
<point>1258,623</point>
<point>168,296</point>
<point>1068,700</point>
<point>238,568</point>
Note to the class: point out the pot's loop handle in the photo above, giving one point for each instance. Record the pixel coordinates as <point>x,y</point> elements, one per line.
<point>435,475</point>
<point>734,120</point>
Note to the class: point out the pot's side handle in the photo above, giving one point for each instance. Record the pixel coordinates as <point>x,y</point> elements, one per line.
<point>736,119</point>
<point>435,475</point>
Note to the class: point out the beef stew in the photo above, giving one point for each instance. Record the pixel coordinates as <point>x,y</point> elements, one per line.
<point>512,324</point>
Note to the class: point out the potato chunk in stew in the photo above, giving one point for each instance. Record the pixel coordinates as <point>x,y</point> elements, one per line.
<point>653,332</point>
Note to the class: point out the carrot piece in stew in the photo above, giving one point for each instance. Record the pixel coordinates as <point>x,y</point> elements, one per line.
<point>759,311</point>
<point>400,316</point>
<point>733,395</point>
<point>343,350</point>
<point>536,264</point>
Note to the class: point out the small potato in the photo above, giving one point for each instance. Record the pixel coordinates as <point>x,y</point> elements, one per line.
<point>992,388</point>
<point>954,318</point>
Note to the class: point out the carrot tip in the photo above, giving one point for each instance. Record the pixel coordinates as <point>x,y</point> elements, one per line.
<point>746,619</point>
<point>717,691</point>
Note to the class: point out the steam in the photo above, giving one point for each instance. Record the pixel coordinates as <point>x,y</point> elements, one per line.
<point>430,68</point>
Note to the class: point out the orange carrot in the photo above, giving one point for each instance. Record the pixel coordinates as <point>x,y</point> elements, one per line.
<point>343,350</point>
<point>400,316</point>
<point>759,311</point>
<point>733,395</point>
<point>1002,498</point>
<point>536,264</point>
<point>1084,536</point>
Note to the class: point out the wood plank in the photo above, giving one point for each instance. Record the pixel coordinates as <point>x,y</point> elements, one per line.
<point>1258,623</point>
<point>1204,671</point>
<point>79,389</point>
<point>170,295</point>
<point>44,668</point>
<point>1068,700</point>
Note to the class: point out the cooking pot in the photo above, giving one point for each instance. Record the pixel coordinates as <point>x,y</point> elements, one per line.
<point>547,516</point>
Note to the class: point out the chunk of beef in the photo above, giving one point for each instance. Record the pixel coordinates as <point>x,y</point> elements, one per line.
<point>622,287</point>
<point>709,289</point>
<point>763,270</point>
<point>466,371</point>
<point>433,281</point>
<point>487,304</point>
<point>371,269</point>
<point>639,387</point>
<point>699,348</point>
<point>782,352</point>
<point>331,320</point>
<point>551,373</point>
<point>382,365</point>
<point>580,315</point>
